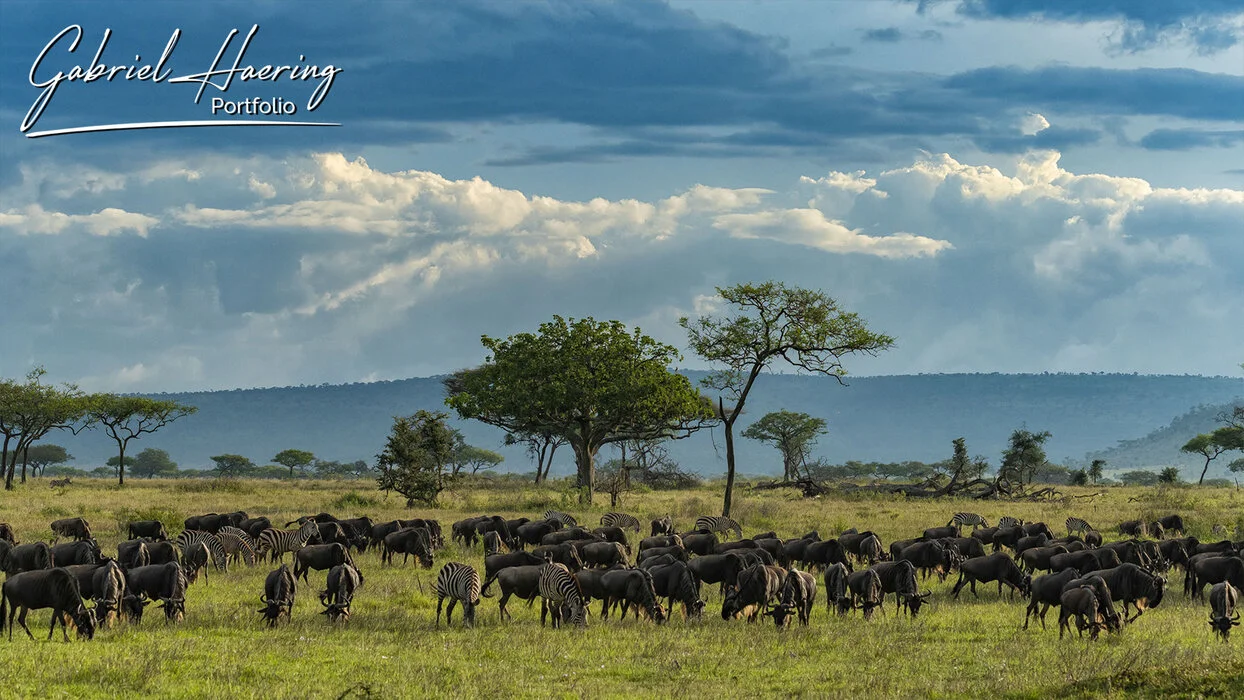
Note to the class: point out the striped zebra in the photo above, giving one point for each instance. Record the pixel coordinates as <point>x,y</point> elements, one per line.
<point>718,523</point>
<point>560,595</point>
<point>189,538</point>
<point>1008,521</point>
<point>1078,525</point>
<point>564,519</point>
<point>275,543</point>
<point>457,582</point>
<point>619,520</point>
<point>238,545</point>
<point>972,519</point>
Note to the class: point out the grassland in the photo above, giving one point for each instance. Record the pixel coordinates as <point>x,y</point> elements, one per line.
<point>969,648</point>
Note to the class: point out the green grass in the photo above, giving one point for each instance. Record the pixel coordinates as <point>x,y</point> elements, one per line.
<point>969,648</point>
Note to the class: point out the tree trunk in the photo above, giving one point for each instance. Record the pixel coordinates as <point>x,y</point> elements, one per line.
<point>4,464</point>
<point>121,466</point>
<point>1203,471</point>
<point>725,508</point>
<point>587,474</point>
<point>25,456</point>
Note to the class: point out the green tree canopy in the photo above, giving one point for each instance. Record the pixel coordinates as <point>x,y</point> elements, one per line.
<point>1236,466</point>
<point>126,418</point>
<point>294,459</point>
<point>415,455</point>
<point>40,457</point>
<point>591,383</point>
<point>152,462</point>
<point>1138,477</point>
<point>1079,477</point>
<point>1023,457</point>
<point>29,410</point>
<point>793,434</point>
<point>1169,475</point>
<point>230,465</point>
<point>765,323</point>
<point>1096,470</point>
<point>469,457</point>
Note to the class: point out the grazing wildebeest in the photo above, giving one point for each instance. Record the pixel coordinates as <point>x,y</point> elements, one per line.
<point>379,531</point>
<point>533,532</point>
<point>1134,586</point>
<point>50,588</point>
<point>1086,561</point>
<point>654,552</point>
<point>161,553</point>
<point>613,533</point>
<point>1047,591</point>
<point>318,517</point>
<point>412,540</point>
<point>565,554</point>
<point>195,559</point>
<point>1092,538</point>
<point>836,593</point>
<point>1037,529</point>
<point>1222,547</point>
<point>334,532</point>
<point>723,547</point>
<point>209,522</point>
<point>85,573</point>
<point>631,587</point>
<point>1216,570</point>
<point>359,531</point>
<point>1038,558</point>
<point>936,533</point>
<point>1224,600</point>
<point>1105,602</point>
<point>756,587</point>
<point>772,545</point>
<point>969,547</point>
<point>1156,529</point>
<point>592,589</point>
<point>28,557</point>
<point>343,581</point>
<point>995,567</point>
<point>985,534</point>
<point>717,568</point>
<point>866,591</point>
<point>522,581</point>
<point>1007,537</point>
<point>1129,551</point>
<point>795,550</point>
<point>676,582</point>
<point>663,560</point>
<point>1133,528</point>
<point>7,534</point>
<point>1027,542</point>
<point>279,590</point>
<point>498,562</point>
<point>662,526</point>
<point>897,546</point>
<point>146,528</point>
<point>77,528</point>
<point>1174,552</point>
<point>80,552</point>
<point>604,554</point>
<point>701,543</point>
<point>932,556</point>
<point>497,524</point>
<point>254,526</point>
<point>899,578</point>
<point>569,534</point>
<point>752,557</point>
<point>660,541</point>
<point>1082,604</point>
<point>1172,523</point>
<point>108,590</point>
<point>822,554</point>
<point>492,543</point>
<point>464,530</point>
<point>852,542</point>
<point>796,598</point>
<point>163,582</point>
<point>460,584</point>
<point>320,557</point>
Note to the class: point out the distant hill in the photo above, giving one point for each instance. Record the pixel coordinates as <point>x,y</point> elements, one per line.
<point>1160,447</point>
<point>891,418</point>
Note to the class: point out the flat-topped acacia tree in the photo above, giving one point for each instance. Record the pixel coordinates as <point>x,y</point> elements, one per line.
<point>126,418</point>
<point>765,323</point>
<point>591,382</point>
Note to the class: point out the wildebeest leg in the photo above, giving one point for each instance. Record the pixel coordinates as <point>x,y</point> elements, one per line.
<point>504,613</point>
<point>604,609</point>
<point>1044,610</point>
<point>1032,609</point>
<point>21,620</point>
<point>958,585</point>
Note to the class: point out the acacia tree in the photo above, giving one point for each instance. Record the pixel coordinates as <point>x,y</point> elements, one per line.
<point>125,418</point>
<point>30,410</point>
<point>540,447</point>
<point>232,466</point>
<point>40,457</point>
<point>1023,457</point>
<point>793,434</point>
<point>769,322</point>
<point>1209,446</point>
<point>294,459</point>
<point>1096,469</point>
<point>591,383</point>
<point>470,457</point>
<point>414,457</point>
<point>152,462</point>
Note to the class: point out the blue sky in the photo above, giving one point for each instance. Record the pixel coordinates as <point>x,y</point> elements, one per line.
<point>1013,186</point>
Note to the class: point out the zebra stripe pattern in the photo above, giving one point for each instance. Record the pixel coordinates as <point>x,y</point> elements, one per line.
<point>559,589</point>
<point>275,543</point>
<point>563,518</point>
<point>238,545</point>
<point>972,519</point>
<point>619,520</point>
<point>1077,525</point>
<point>1008,521</point>
<point>189,538</point>
<point>457,582</point>
<point>718,523</point>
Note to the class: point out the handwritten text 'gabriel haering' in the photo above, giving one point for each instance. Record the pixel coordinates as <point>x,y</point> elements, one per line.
<point>160,72</point>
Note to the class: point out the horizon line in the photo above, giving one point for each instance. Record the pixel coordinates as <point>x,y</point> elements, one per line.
<point>132,126</point>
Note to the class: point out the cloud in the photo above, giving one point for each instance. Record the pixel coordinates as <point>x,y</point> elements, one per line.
<point>893,35</point>
<point>1185,139</point>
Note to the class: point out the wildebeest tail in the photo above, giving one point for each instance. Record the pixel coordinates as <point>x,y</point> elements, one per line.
<point>484,589</point>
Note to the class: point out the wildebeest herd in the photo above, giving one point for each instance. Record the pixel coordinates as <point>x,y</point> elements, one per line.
<point>568,566</point>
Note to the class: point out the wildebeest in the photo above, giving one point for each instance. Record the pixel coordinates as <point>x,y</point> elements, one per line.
<point>604,554</point>
<point>854,543</point>
<point>1174,552</point>
<point>1047,591</point>
<point>1224,614</point>
<point>80,552</point>
<point>1172,523</point>
<point>343,581</point>
<point>7,534</point>
<point>28,557</point>
<point>676,582</point>
<point>836,593</point>
<point>1105,602</point>
<point>320,557</point>
<point>931,556</point>
<point>1215,570</point>
<point>660,541</point>
<point>866,592</point>
<point>1027,542</point>
<point>522,581</point>
<point>1133,528</point>
<point>1007,537</point>
<point>498,562</point>
<point>1082,604</point>
<point>1222,547</point>
<point>492,543</point>
<point>899,578</point>
<point>108,591</point>
<point>795,549</point>
<point>208,522</point>
<point>995,567</point>
<point>569,534</point>
<point>822,554</point>
<point>464,530</point>
<point>654,552</point>
<point>279,590</point>
<point>146,528</point>
<point>1134,586</point>
<point>77,528</point>
<point>163,582</point>
<point>335,532</point>
<point>412,540</point>
<point>756,587</point>
<point>662,526</point>
<point>533,532</point>
<point>161,553</point>
<point>701,543</point>
<point>936,533</point>
<point>194,559</point>
<point>1086,561</point>
<point>359,530</point>
<point>1092,538</point>
<point>1038,558</point>
<point>796,598</point>
<point>969,547</point>
<point>254,526</point>
<point>985,534</point>
<point>565,554</point>
<point>50,588</point>
<point>631,587</point>
<point>613,533</point>
<point>723,547</point>
<point>1037,529</point>
<point>717,568</point>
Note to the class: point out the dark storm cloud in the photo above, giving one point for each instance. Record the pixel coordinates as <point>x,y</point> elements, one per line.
<point>1185,139</point>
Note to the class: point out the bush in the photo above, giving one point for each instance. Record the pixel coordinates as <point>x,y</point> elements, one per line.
<point>352,499</point>
<point>213,486</point>
<point>172,519</point>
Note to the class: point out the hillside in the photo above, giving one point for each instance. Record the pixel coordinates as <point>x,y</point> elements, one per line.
<point>1161,447</point>
<point>891,418</point>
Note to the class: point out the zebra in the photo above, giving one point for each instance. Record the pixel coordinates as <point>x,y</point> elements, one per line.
<point>275,543</point>
<point>619,520</point>
<point>237,544</point>
<point>718,523</point>
<point>560,593</point>
<point>972,519</point>
<point>1078,525</point>
<point>1008,521</point>
<point>189,538</point>
<point>457,582</point>
<point>564,519</point>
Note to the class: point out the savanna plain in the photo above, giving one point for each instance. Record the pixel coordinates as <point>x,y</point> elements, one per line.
<point>973,647</point>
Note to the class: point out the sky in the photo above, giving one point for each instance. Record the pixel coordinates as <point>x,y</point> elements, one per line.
<point>1001,185</point>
